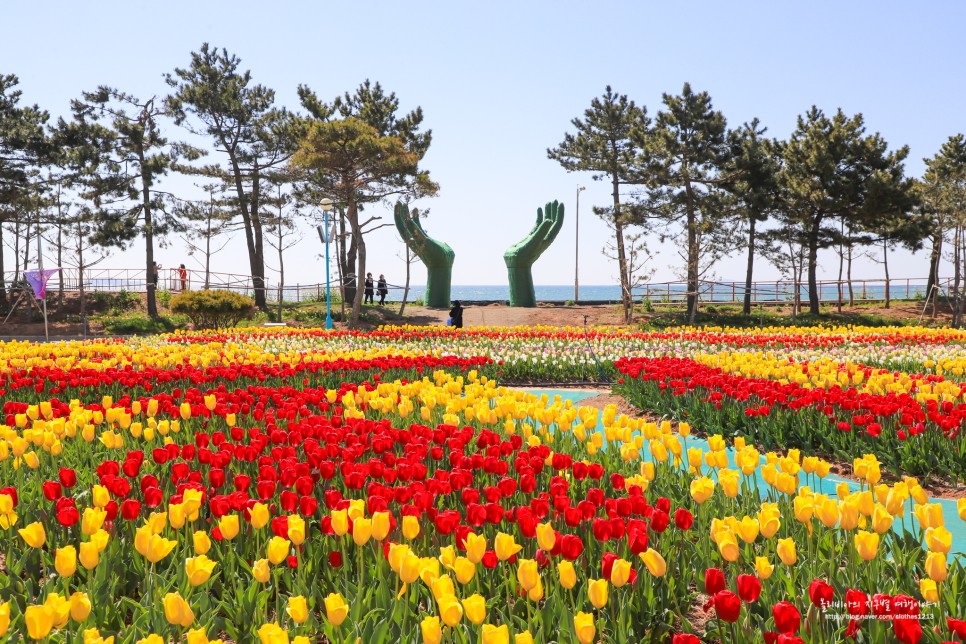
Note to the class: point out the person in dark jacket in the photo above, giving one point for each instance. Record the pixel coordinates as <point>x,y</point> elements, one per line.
<point>382,287</point>
<point>368,292</point>
<point>456,314</point>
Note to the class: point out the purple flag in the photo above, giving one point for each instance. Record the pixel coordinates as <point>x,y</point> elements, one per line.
<point>38,281</point>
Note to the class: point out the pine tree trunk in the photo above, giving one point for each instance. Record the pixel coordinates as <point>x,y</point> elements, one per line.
<point>693,252</point>
<point>746,306</point>
<point>885,264</point>
<point>405,297</point>
<point>848,276</point>
<point>813,295</point>
<point>360,244</point>
<point>3,279</point>
<point>957,273</point>
<point>841,265</point>
<point>255,258</point>
<point>148,238</point>
<point>933,279</point>
<point>626,300</point>
<point>281,269</point>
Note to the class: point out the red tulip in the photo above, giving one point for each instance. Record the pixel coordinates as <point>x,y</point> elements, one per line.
<point>714,581</point>
<point>749,588</point>
<point>821,593</point>
<point>683,519</point>
<point>856,602</point>
<point>52,490</point>
<point>787,617</point>
<point>68,478</point>
<point>727,606</point>
<point>685,638</point>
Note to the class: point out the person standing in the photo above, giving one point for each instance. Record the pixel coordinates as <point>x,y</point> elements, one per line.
<point>383,289</point>
<point>155,274</point>
<point>368,292</point>
<point>183,275</point>
<point>456,314</point>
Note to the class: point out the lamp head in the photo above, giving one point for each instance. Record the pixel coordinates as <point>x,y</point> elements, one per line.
<point>326,204</point>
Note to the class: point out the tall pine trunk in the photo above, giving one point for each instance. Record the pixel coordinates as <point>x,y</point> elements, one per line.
<point>626,300</point>
<point>148,238</point>
<point>885,264</point>
<point>746,306</point>
<point>813,295</point>
<point>932,282</point>
<point>693,251</point>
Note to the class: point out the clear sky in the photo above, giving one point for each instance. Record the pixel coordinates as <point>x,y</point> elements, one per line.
<point>499,83</point>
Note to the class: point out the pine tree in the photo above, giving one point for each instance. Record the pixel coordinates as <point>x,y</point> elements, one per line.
<point>603,146</point>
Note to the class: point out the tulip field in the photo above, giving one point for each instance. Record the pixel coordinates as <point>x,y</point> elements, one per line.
<point>403,485</point>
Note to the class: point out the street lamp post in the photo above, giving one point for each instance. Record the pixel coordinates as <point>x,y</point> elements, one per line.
<point>577,248</point>
<point>326,208</point>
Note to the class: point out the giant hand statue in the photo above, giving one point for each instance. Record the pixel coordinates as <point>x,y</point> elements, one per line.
<point>521,256</point>
<point>435,255</point>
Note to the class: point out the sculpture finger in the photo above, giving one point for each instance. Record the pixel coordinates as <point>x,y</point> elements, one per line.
<point>558,220</point>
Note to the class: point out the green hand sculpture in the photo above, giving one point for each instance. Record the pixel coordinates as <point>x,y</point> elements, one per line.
<point>435,255</point>
<point>521,256</point>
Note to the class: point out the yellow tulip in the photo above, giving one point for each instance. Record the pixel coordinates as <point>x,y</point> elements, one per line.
<point>336,609</point>
<point>747,529</point>
<point>199,569</point>
<point>410,527</point>
<point>151,639</point>
<point>92,520</point>
<point>763,567</point>
<point>297,609</point>
<point>546,537</point>
<point>728,546</point>
<point>380,526</point>
<point>702,489</point>
<point>867,544</point>
<point>939,539</point>
<point>177,515</point>
<point>177,612</point>
<point>278,549</point>
<point>450,610</point>
<point>90,555</point>
<point>930,515</point>
<point>4,618</point>
<point>528,573</point>
<point>495,634</point>
<point>431,630</point>
<point>929,590</point>
<point>39,621</point>
<point>259,516</point>
<point>272,634</point>
<point>201,542</point>
<point>620,572</point>
<point>158,548</point>
<point>261,571</point>
<point>340,522</point>
<point>296,529</point>
<point>197,636</point>
<point>474,607</point>
<point>505,546</point>
<point>475,547</point>
<point>229,526</point>
<point>361,531</point>
<point>936,566</point>
<point>597,591</point>
<point>34,535</point>
<point>654,562</point>
<point>961,508</point>
<point>568,576</point>
<point>66,561</point>
<point>442,586</point>
<point>786,551</point>
<point>881,519</point>
<point>410,567</point>
<point>80,606</point>
<point>59,609</point>
<point>584,626</point>
<point>728,479</point>
<point>465,570</point>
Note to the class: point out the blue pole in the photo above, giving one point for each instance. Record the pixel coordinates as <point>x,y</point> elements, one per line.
<point>328,290</point>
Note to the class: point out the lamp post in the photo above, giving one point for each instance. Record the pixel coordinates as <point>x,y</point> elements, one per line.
<point>577,248</point>
<point>326,207</point>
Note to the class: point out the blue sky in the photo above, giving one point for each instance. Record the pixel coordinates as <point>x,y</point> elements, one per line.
<point>499,83</point>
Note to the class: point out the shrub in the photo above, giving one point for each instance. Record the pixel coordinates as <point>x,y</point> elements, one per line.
<point>212,309</point>
<point>164,298</point>
<point>139,324</point>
